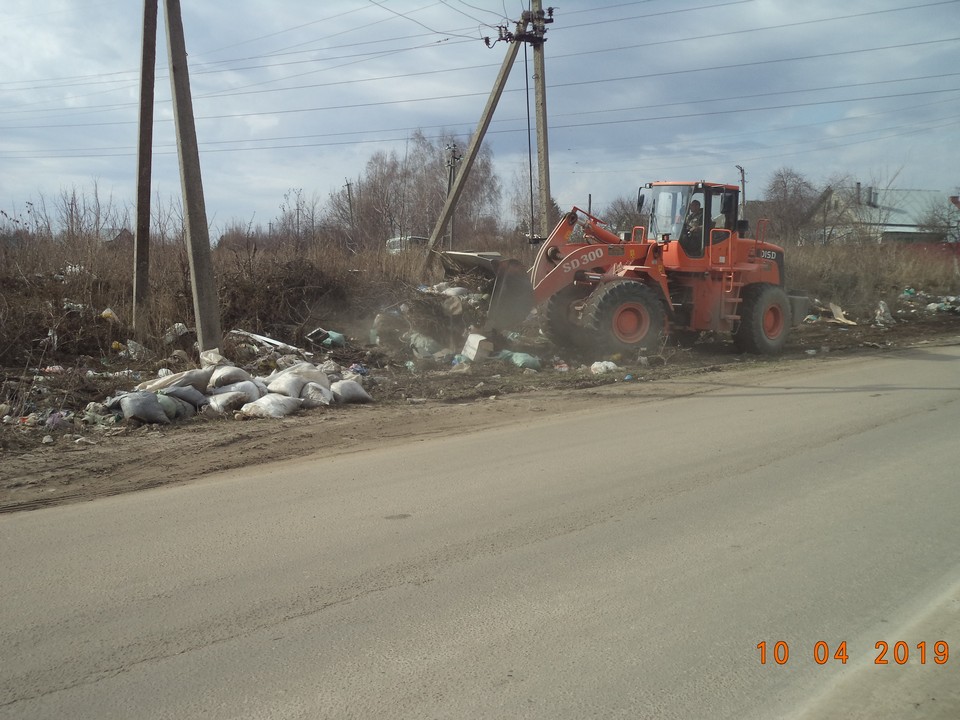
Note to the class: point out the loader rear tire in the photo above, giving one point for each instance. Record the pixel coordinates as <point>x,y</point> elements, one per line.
<point>764,320</point>
<point>625,315</point>
<point>561,323</point>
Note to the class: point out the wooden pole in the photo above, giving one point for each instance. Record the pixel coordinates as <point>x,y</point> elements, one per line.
<point>205,302</point>
<point>141,248</point>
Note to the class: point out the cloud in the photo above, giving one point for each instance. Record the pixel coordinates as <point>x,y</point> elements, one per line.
<point>296,96</point>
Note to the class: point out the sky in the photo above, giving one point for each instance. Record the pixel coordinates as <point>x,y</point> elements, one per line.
<point>294,95</point>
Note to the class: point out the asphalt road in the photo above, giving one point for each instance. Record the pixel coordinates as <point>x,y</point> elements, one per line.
<point>620,563</point>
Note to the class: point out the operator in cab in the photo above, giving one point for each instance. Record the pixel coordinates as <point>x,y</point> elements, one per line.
<point>691,237</point>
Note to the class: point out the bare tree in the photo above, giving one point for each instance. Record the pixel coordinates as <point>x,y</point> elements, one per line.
<point>622,214</point>
<point>789,198</point>
<point>942,216</point>
<point>404,195</point>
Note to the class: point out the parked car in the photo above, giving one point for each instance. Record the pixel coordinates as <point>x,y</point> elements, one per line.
<point>397,245</point>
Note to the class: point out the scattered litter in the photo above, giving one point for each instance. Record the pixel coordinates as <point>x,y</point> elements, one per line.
<point>174,332</point>
<point>883,315</point>
<point>422,346</point>
<point>47,440</point>
<point>213,359</point>
<point>603,366</point>
<point>110,315</point>
<point>334,339</point>
<point>358,369</point>
<point>838,315</point>
<point>521,360</point>
<point>265,341</point>
<point>477,348</point>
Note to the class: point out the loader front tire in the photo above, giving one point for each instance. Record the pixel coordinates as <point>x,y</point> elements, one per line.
<point>561,324</point>
<point>764,320</point>
<point>625,315</point>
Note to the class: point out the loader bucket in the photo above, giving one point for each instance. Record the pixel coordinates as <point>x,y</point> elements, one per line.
<point>511,299</point>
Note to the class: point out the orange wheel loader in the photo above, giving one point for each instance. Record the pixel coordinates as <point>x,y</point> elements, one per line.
<point>692,269</point>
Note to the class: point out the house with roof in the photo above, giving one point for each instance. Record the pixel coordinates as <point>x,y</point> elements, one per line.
<point>867,214</point>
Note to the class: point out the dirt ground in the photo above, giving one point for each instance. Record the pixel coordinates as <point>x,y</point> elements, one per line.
<point>85,463</point>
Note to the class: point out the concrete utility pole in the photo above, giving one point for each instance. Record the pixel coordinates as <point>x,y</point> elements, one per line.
<point>513,40</point>
<point>743,191</point>
<point>452,161</point>
<point>205,302</point>
<point>141,249</point>
<point>538,21</point>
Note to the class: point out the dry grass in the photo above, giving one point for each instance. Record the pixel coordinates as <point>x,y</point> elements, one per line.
<point>55,291</point>
<point>858,277</point>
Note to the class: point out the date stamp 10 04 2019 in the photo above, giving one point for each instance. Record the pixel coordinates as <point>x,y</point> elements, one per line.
<point>898,652</point>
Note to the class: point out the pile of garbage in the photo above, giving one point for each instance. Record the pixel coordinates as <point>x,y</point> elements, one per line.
<point>912,302</point>
<point>930,303</point>
<point>219,388</point>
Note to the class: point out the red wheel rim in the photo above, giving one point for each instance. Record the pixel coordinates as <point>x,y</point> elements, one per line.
<point>773,321</point>
<point>631,323</point>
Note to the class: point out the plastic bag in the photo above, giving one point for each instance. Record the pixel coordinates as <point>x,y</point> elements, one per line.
<point>604,366</point>
<point>350,391</point>
<point>272,405</point>
<point>330,366</point>
<point>208,358</point>
<point>422,345</point>
<point>523,360</point>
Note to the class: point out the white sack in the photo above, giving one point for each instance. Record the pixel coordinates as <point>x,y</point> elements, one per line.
<point>315,395</point>
<point>350,391</point>
<point>228,375</point>
<point>272,405</point>
<point>249,389</point>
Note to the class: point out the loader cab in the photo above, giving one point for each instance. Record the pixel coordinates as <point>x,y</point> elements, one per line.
<point>695,215</point>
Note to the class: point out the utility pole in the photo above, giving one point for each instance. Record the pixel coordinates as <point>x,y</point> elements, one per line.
<point>205,302</point>
<point>514,40</point>
<point>141,248</point>
<point>349,187</point>
<point>453,159</point>
<point>538,21</point>
<point>743,191</point>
